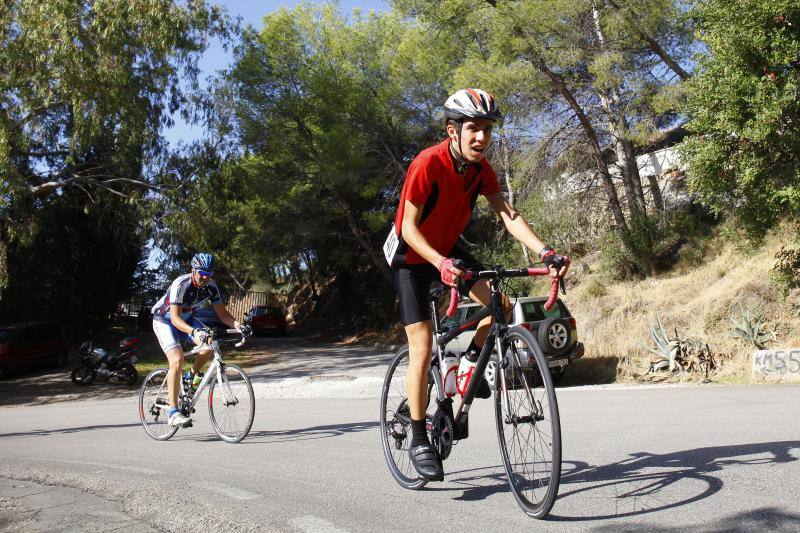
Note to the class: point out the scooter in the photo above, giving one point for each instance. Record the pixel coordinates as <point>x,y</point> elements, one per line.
<point>97,362</point>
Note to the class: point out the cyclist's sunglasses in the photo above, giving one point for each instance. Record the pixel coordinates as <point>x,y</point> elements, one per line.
<point>205,273</point>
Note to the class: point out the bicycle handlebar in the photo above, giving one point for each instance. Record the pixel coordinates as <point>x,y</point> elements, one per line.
<point>511,273</point>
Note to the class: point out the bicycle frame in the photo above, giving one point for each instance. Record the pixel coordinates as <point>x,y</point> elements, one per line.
<point>215,370</point>
<point>493,341</point>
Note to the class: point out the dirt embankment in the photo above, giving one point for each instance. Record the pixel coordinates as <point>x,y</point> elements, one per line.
<point>615,318</point>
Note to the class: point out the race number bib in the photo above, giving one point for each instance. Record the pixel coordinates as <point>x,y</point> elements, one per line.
<point>390,246</point>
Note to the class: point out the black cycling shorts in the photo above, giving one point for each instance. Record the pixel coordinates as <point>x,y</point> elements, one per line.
<point>413,285</point>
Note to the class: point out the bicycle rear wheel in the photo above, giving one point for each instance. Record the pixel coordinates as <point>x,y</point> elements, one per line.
<point>528,425</point>
<point>232,404</point>
<point>395,419</point>
<point>154,405</point>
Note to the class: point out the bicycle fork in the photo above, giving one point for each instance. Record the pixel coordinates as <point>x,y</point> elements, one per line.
<point>537,411</point>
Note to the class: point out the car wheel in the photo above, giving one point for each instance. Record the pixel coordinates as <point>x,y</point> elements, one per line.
<point>555,336</point>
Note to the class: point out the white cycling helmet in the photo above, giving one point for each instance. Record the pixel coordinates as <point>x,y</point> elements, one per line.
<point>472,103</point>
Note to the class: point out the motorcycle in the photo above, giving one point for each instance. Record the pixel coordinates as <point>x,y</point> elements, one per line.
<point>97,362</point>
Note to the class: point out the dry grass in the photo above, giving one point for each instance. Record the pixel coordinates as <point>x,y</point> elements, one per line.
<point>699,302</point>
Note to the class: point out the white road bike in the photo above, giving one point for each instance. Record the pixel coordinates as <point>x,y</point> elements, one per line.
<point>231,402</point>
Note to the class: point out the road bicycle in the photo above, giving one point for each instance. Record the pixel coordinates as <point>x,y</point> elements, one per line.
<point>231,402</point>
<point>526,410</point>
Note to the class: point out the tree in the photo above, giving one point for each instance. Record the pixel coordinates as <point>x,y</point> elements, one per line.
<point>85,88</point>
<point>322,116</point>
<point>592,72</point>
<point>744,108</point>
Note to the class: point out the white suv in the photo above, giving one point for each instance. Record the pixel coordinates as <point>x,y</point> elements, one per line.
<point>555,330</point>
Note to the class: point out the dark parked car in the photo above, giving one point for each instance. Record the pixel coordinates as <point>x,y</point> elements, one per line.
<point>267,319</point>
<point>31,345</point>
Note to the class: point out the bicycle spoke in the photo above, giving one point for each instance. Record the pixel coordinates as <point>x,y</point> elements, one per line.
<point>153,405</point>
<point>395,426</point>
<point>528,427</point>
<point>231,404</point>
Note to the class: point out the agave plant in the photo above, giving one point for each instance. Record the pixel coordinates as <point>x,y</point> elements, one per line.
<point>752,328</point>
<point>665,347</point>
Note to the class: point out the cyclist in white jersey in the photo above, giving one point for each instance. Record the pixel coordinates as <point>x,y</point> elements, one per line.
<point>173,321</point>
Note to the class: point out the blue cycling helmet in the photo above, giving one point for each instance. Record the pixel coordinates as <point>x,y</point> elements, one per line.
<point>203,261</point>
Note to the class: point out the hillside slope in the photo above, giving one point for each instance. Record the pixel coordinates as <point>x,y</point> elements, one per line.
<point>614,318</point>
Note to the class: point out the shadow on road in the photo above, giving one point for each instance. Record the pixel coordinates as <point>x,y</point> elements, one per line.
<point>268,359</point>
<point>65,431</point>
<point>53,386</point>
<point>647,483</point>
<point>311,433</point>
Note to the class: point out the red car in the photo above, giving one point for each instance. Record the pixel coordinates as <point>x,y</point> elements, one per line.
<point>266,319</point>
<point>30,345</point>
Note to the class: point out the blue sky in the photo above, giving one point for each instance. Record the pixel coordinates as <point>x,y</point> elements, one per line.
<point>251,12</point>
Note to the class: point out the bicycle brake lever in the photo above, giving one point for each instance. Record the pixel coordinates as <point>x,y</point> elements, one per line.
<point>562,285</point>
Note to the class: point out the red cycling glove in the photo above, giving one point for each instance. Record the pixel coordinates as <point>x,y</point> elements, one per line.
<point>446,271</point>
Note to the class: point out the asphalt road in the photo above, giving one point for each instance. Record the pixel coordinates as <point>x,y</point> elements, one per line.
<point>664,458</point>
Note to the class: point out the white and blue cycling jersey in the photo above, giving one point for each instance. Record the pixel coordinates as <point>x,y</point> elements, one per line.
<point>188,295</point>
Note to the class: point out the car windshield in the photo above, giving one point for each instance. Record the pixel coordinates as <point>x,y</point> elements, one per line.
<point>273,311</point>
<point>533,311</point>
<point>5,334</point>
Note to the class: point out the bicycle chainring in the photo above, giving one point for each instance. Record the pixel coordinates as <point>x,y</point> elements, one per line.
<point>442,433</point>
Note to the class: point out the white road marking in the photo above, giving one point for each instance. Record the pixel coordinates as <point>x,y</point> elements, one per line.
<point>137,469</point>
<point>315,524</point>
<point>231,492</point>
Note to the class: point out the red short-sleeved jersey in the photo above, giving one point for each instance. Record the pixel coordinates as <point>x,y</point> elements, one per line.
<point>447,199</point>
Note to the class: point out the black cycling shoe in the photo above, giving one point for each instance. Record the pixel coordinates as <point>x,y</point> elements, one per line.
<point>426,461</point>
<point>484,390</point>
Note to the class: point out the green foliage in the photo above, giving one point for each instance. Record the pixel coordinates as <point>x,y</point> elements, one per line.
<point>786,272</point>
<point>323,116</point>
<point>596,288</point>
<point>753,329</point>
<point>679,354</point>
<point>663,346</point>
<point>85,88</point>
<point>743,105</point>
<point>633,257</point>
<point>76,265</point>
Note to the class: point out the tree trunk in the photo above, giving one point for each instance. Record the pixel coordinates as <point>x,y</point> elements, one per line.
<point>591,135</point>
<point>510,185</point>
<point>311,275</point>
<point>3,262</point>
<point>626,158</point>
<point>361,239</point>
<point>655,46</point>
<point>655,192</point>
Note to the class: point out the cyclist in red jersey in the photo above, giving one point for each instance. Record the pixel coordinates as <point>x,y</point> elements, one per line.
<point>438,197</point>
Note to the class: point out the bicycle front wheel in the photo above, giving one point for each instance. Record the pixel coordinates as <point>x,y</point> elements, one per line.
<point>395,419</point>
<point>528,425</point>
<point>154,405</point>
<point>232,404</point>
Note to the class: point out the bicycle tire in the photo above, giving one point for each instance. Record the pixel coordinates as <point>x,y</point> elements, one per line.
<point>530,445</point>
<point>395,432</point>
<point>154,404</point>
<point>230,415</point>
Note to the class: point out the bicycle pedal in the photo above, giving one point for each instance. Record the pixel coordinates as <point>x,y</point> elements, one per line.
<point>187,425</point>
